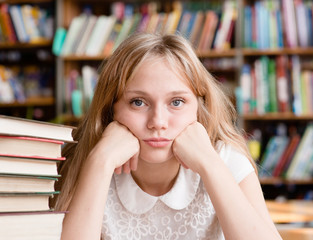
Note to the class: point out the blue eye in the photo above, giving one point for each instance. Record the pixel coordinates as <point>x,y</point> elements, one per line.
<point>137,102</point>
<point>177,102</point>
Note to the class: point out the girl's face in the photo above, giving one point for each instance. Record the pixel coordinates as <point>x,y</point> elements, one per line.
<point>156,106</point>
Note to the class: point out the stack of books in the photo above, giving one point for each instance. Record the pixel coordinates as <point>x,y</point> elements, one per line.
<point>29,153</point>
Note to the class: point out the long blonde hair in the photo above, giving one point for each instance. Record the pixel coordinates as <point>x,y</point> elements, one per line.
<point>215,112</point>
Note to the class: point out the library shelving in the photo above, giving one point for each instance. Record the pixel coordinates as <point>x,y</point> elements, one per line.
<point>26,61</point>
<point>277,86</point>
<point>226,63</point>
<point>73,60</point>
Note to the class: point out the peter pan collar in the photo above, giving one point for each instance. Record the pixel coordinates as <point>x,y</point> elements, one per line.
<point>137,201</point>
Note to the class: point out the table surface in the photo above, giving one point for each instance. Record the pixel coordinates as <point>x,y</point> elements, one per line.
<point>290,211</point>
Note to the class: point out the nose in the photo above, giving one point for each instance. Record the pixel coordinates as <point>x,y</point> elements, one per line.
<point>158,118</point>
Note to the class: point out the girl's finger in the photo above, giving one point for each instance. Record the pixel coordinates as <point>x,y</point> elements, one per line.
<point>118,170</point>
<point>126,167</point>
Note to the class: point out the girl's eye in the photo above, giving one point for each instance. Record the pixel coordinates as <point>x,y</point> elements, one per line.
<point>177,102</point>
<point>137,102</point>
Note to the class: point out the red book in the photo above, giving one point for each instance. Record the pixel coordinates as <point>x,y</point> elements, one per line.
<point>4,11</point>
<point>282,84</point>
<point>230,32</point>
<point>287,156</point>
<point>208,31</point>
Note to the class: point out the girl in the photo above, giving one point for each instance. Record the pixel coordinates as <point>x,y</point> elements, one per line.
<point>158,156</point>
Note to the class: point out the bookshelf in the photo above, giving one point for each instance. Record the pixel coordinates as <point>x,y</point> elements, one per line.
<point>284,33</point>
<point>225,64</point>
<point>71,9</point>
<point>27,62</point>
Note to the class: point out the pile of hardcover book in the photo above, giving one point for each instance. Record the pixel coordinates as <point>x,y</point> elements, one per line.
<point>29,153</point>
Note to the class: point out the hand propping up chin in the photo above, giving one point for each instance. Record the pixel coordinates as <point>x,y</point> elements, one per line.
<point>119,147</point>
<point>193,148</point>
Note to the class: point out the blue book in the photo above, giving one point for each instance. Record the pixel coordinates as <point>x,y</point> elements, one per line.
<point>258,17</point>
<point>310,26</point>
<point>58,41</point>
<point>280,37</point>
<point>191,23</point>
<point>247,26</point>
<point>266,27</point>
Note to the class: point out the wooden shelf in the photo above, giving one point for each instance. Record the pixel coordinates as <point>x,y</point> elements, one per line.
<point>36,101</point>
<point>277,180</point>
<point>216,53</point>
<point>278,51</point>
<point>276,116</point>
<point>84,58</point>
<point>221,69</point>
<point>18,45</point>
<point>25,1</point>
<point>206,54</point>
<point>291,211</point>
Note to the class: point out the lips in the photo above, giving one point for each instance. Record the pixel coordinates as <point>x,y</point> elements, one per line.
<point>157,142</point>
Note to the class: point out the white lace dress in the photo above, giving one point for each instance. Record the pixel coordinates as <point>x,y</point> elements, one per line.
<point>185,212</point>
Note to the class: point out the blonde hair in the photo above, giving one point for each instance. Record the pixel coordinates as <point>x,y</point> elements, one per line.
<point>215,112</point>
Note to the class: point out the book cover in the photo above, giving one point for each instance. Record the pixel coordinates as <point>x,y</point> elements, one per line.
<point>124,31</point>
<point>183,25</point>
<point>247,39</point>
<point>13,183</point>
<point>85,18</point>
<point>209,28</point>
<point>18,23</point>
<point>287,156</point>
<point>226,19</point>
<point>31,225</point>
<point>6,23</point>
<point>302,154</point>
<point>81,46</point>
<point>273,106</point>
<point>283,97</point>
<point>32,128</point>
<point>28,166</point>
<point>30,23</point>
<point>110,43</point>
<point>29,146</point>
<point>273,152</point>
<point>290,23</point>
<point>72,33</point>
<point>197,29</point>
<point>245,84</point>
<point>302,23</point>
<point>58,41</point>
<point>296,85</point>
<point>25,202</point>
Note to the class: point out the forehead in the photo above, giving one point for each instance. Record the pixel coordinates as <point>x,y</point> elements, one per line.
<point>158,68</point>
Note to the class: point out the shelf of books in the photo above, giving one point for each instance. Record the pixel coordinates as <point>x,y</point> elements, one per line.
<point>27,65</point>
<point>29,102</point>
<point>90,34</point>
<point>29,154</point>
<point>275,93</point>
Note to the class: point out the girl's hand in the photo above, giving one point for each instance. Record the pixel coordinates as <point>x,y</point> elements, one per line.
<point>118,146</point>
<point>193,148</point>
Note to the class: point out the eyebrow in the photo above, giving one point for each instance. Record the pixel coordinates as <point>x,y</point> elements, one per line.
<point>145,93</point>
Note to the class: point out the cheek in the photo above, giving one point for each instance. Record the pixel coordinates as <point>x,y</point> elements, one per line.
<point>130,120</point>
<point>180,121</point>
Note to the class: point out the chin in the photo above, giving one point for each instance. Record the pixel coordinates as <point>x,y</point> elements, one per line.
<point>156,156</point>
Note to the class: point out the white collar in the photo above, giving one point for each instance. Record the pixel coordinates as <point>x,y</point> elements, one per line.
<point>137,201</point>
